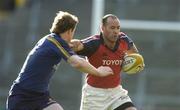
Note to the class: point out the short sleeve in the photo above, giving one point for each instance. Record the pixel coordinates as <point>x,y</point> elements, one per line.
<point>61,48</point>
<point>128,40</point>
<point>91,44</point>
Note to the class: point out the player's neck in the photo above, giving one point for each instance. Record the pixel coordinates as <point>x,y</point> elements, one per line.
<point>65,37</point>
<point>109,44</point>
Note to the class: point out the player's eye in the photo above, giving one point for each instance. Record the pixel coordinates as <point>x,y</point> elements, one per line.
<point>118,27</point>
<point>113,27</point>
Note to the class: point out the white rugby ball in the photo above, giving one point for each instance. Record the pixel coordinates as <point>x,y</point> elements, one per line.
<point>133,63</point>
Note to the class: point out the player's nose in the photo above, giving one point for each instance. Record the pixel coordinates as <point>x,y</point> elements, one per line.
<point>116,31</point>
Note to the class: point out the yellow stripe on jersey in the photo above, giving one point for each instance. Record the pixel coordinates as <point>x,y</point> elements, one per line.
<point>54,41</point>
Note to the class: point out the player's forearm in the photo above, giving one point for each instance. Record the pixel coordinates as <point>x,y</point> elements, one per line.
<point>83,66</point>
<point>133,49</point>
<point>86,67</point>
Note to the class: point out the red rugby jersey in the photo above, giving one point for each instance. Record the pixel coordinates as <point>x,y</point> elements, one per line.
<point>99,54</point>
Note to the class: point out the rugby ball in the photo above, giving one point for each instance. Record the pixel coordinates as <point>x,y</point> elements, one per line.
<point>133,63</point>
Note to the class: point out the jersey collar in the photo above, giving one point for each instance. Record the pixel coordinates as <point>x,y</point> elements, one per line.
<point>116,45</point>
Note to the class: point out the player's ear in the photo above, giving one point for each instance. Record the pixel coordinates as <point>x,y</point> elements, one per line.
<point>69,32</point>
<point>102,28</point>
<point>72,30</point>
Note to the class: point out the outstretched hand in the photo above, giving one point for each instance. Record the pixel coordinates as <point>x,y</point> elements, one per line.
<point>104,71</point>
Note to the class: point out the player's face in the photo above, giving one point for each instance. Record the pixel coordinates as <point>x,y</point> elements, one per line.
<point>111,29</point>
<point>71,34</point>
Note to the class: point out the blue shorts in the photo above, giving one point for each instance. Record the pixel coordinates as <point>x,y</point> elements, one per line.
<point>21,99</point>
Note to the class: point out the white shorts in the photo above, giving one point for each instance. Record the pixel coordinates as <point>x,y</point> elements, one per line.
<point>103,99</point>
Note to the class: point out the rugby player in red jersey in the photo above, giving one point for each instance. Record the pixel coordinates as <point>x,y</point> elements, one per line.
<point>107,49</point>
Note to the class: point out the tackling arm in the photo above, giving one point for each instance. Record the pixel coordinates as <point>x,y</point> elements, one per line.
<point>85,67</point>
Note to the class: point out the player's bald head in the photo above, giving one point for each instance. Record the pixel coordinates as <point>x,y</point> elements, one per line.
<point>108,16</point>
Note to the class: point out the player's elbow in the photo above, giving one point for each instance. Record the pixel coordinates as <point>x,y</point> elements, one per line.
<point>76,62</point>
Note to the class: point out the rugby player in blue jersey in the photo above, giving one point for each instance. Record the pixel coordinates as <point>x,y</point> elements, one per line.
<point>30,90</point>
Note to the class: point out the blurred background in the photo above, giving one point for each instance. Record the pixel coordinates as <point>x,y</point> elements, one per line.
<point>154,25</point>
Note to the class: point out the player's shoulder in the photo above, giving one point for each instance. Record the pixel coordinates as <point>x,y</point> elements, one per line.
<point>122,35</point>
<point>93,38</point>
<point>55,39</point>
<point>41,41</point>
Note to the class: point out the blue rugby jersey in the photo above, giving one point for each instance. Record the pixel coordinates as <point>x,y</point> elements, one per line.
<point>42,62</point>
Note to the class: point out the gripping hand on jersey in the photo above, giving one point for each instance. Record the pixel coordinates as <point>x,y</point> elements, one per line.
<point>76,45</point>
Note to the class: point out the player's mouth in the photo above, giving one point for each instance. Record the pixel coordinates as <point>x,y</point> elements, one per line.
<point>115,36</point>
